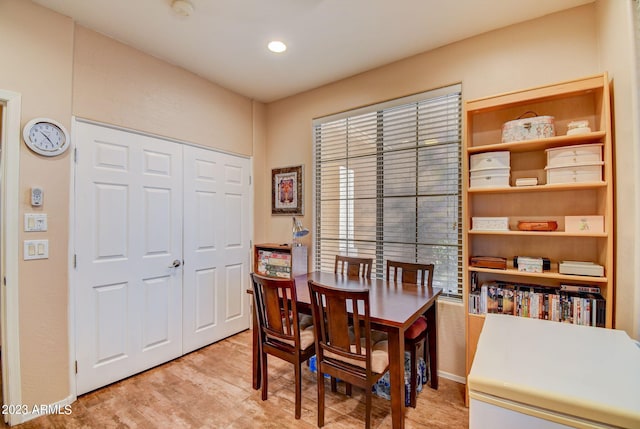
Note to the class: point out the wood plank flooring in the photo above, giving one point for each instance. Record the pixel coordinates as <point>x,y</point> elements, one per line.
<point>211,388</point>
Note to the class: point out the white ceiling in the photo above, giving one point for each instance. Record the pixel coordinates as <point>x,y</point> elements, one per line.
<point>225,41</point>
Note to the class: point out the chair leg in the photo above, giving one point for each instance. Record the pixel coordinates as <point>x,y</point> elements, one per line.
<point>298,378</point>
<point>427,358</point>
<point>347,389</point>
<point>414,374</point>
<point>265,381</point>
<point>368,407</point>
<point>320,398</point>
<point>334,385</point>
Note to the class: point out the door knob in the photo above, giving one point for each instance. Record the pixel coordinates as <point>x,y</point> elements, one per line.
<point>176,263</point>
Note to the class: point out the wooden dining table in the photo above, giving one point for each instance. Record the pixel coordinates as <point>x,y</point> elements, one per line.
<point>394,307</point>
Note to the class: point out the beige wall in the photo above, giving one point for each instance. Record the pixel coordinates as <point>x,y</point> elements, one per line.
<point>119,85</point>
<point>261,188</point>
<point>36,47</point>
<point>616,41</point>
<point>513,58</point>
<point>554,48</point>
<point>61,70</point>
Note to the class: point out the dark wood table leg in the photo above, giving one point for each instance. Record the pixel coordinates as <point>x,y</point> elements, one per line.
<point>255,364</point>
<point>432,328</point>
<point>396,377</point>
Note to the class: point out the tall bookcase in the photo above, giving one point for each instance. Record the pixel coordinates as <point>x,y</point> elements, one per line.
<point>280,260</point>
<point>576,100</point>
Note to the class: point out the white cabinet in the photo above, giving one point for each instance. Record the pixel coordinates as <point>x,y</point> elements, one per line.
<point>529,373</point>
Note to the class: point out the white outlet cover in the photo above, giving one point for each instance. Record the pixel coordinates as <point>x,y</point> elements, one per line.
<point>36,249</point>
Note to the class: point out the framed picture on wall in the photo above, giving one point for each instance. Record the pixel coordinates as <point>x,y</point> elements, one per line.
<point>286,191</point>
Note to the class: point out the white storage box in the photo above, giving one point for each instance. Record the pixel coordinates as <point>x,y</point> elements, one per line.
<point>481,161</point>
<point>529,265</point>
<point>574,155</point>
<point>578,127</point>
<point>578,268</point>
<point>537,127</point>
<point>584,224</point>
<point>490,224</point>
<point>575,173</point>
<point>490,178</point>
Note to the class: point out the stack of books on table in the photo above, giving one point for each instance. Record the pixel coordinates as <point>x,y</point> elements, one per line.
<point>274,264</point>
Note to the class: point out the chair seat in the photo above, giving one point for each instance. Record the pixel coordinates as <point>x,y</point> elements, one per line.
<point>379,355</point>
<point>417,328</point>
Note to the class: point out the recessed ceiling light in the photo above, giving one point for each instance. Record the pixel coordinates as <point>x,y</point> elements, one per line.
<point>277,46</point>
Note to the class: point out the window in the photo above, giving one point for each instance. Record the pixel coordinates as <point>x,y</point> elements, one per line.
<point>387,185</point>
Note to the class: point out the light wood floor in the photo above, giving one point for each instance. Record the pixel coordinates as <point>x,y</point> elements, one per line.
<point>211,388</point>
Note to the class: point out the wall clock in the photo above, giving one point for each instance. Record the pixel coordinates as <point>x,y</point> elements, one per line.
<point>46,136</point>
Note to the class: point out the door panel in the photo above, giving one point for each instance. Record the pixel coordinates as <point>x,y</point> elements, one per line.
<point>128,232</point>
<point>234,295</point>
<point>216,246</point>
<point>157,301</point>
<point>111,339</point>
<point>235,258</point>
<point>205,290</point>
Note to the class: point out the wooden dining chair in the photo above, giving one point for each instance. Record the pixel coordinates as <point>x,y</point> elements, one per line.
<point>353,267</point>
<point>420,274</point>
<point>283,332</point>
<point>346,348</point>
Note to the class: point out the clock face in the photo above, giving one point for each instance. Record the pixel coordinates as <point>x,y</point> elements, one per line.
<point>46,137</point>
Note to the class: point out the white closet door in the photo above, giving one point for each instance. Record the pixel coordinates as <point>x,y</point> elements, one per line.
<point>217,207</point>
<point>128,234</point>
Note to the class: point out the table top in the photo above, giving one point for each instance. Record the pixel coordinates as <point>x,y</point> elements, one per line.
<point>581,371</point>
<point>391,304</point>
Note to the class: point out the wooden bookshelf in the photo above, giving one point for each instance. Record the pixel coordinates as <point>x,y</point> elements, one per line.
<point>280,260</point>
<point>580,99</point>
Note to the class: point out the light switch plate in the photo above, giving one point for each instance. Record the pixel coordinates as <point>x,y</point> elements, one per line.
<point>36,249</point>
<point>35,222</point>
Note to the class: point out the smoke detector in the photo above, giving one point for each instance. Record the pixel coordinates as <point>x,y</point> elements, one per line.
<point>182,7</point>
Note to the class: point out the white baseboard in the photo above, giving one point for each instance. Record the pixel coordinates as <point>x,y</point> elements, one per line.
<point>453,377</point>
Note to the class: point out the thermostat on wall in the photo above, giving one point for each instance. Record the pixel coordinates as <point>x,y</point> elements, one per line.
<point>37,195</point>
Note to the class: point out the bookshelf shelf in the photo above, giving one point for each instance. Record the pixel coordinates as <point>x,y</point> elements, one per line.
<point>552,274</point>
<point>541,234</point>
<point>577,100</point>
<point>540,188</point>
<point>540,144</point>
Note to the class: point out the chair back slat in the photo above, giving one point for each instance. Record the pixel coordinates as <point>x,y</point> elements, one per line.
<point>353,267</point>
<point>407,272</point>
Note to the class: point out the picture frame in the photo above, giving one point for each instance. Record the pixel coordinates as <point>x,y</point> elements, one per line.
<point>287,196</point>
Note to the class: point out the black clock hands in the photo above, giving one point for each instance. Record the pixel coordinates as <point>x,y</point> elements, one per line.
<point>46,136</point>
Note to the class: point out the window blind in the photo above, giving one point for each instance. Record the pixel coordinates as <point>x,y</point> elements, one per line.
<point>387,185</point>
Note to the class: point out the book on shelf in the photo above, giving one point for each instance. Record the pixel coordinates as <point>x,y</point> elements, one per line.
<point>579,288</point>
<point>539,302</point>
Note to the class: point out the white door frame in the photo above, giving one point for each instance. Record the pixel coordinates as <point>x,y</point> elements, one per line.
<point>11,379</point>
